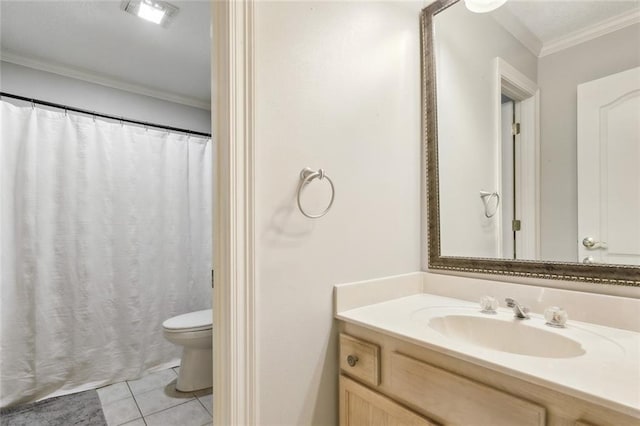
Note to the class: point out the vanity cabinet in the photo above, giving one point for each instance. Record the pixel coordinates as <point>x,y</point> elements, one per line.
<point>360,405</point>
<point>385,380</point>
<point>361,359</point>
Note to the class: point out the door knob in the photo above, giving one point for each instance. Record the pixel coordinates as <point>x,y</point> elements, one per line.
<point>592,244</point>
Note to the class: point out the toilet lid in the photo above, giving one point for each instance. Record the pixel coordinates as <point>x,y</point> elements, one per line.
<point>199,320</point>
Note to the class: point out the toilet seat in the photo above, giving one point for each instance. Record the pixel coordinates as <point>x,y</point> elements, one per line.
<point>192,321</point>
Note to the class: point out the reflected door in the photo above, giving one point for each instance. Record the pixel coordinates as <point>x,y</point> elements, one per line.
<point>508,180</point>
<point>609,169</point>
<point>519,225</point>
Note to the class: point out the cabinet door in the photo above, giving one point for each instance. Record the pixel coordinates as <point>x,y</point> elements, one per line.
<point>360,406</point>
<point>456,400</point>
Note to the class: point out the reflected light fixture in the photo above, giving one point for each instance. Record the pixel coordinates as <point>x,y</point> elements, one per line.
<point>483,6</point>
<point>158,12</point>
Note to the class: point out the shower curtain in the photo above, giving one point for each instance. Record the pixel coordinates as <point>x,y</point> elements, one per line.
<point>106,232</point>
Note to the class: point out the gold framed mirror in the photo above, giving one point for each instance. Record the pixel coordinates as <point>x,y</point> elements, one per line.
<point>494,204</point>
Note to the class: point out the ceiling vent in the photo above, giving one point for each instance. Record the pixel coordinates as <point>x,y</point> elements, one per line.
<point>158,12</point>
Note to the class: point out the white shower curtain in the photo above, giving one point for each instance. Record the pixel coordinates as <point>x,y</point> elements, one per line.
<point>106,232</point>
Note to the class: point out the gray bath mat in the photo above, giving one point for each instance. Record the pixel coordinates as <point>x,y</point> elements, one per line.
<point>82,408</point>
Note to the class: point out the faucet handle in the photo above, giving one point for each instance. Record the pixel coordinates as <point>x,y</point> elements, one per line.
<point>488,304</point>
<point>556,317</point>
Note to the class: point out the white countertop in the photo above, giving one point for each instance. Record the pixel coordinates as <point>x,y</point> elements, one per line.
<point>608,373</point>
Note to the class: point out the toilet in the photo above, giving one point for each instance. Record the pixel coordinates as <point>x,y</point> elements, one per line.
<point>192,331</point>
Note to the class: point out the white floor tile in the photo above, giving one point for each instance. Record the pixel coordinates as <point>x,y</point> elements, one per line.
<point>137,422</point>
<point>120,412</point>
<point>112,393</point>
<point>206,398</point>
<point>152,381</point>
<point>203,392</point>
<point>188,414</point>
<point>160,399</point>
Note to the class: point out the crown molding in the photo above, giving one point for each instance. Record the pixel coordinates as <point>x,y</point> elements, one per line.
<point>97,78</point>
<point>516,28</point>
<point>594,31</point>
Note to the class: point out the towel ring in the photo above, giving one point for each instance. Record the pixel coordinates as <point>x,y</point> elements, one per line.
<point>306,176</point>
<point>486,196</point>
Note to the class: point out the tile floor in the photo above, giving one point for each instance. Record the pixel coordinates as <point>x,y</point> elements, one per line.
<point>153,401</point>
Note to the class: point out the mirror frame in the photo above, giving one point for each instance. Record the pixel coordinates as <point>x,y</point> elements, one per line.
<point>595,273</point>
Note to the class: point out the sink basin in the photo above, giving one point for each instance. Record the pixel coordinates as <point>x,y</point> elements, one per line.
<point>513,336</point>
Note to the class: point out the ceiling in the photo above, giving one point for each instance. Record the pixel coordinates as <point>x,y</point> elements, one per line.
<point>552,20</point>
<point>98,39</point>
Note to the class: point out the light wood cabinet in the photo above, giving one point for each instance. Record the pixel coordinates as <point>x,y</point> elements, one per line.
<point>360,359</point>
<point>402,383</point>
<point>457,399</point>
<point>360,406</point>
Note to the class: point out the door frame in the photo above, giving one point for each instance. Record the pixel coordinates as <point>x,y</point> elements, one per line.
<point>519,87</point>
<point>234,309</point>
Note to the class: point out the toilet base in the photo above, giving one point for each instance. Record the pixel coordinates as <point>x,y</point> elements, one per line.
<point>196,370</point>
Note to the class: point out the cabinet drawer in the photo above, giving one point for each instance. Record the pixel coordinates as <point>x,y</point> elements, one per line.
<point>456,400</point>
<point>360,359</point>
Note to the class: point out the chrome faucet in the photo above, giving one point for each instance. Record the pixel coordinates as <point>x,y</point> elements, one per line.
<point>519,311</point>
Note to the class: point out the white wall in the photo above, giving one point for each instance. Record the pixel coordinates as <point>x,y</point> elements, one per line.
<point>558,77</point>
<point>338,87</point>
<point>32,83</point>
<point>466,45</point>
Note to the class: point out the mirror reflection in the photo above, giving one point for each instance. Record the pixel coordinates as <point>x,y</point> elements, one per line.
<point>538,108</point>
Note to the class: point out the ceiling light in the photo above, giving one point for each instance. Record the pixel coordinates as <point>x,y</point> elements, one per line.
<point>150,12</point>
<point>483,6</point>
<point>158,12</point>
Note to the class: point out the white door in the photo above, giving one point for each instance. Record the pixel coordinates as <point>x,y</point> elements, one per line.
<point>519,196</point>
<point>609,169</point>
<point>526,171</point>
<point>507,192</point>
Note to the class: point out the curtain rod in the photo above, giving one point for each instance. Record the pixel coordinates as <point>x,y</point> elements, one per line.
<point>96,114</point>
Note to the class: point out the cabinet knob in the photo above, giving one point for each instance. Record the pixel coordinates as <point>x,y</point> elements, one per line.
<point>352,360</point>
